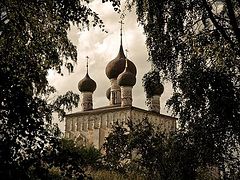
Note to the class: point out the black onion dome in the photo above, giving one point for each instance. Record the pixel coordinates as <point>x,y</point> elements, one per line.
<point>159,89</point>
<point>108,93</point>
<point>87,84</point>
<point>117,65</point>
<point>155,90</point>
<point>126,78</point>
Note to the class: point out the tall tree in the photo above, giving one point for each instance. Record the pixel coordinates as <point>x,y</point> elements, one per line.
<point>196,45</point>
<point>33,39</point>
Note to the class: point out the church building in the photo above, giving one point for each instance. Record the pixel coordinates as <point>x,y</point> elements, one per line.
<point>91,126</point>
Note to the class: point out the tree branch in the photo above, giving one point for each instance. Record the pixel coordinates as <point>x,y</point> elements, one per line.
<point>233,20</point>
<point>215,23</point>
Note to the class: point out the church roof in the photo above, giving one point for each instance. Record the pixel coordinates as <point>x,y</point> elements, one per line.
<point>116,108</point>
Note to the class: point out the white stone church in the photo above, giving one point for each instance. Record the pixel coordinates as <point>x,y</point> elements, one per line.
<point>91,126</point>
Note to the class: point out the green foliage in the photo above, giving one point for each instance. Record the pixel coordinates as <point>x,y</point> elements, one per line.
<point>69,161</point>
<point>196,45</point>
<point>150,81</point>
<point>116,149</point>
<point>109,175</point>
<point>65,102</point>
<point>81,155</point>
<point>33,39</point>
<point>143,149</point>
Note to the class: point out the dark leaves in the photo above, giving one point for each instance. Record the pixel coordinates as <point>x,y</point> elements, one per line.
<point>195,44</point>
<point>33,39</point>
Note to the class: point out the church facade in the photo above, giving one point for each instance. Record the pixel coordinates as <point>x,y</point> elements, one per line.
<point>91,126</point>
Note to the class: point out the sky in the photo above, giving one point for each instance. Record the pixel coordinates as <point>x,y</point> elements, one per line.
<point>101,48</point>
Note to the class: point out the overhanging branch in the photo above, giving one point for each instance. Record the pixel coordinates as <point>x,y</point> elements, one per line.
<point>233,20</point>
<point>215,23</point>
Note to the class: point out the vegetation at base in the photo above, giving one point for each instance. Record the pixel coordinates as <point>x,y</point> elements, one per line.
<point>140,150</point>
<point>143,149</point>
<point>71,161</point>
<point>110,175</point>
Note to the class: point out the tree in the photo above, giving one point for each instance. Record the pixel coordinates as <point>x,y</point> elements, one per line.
<point>33,39</point>
<point>195,45</point>
<point>140,147</point>
<point>70,162</point>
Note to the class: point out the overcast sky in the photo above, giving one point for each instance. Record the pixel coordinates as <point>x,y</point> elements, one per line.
<point>101,48</point>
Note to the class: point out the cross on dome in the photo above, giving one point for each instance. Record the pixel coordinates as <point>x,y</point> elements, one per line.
<point>118,64</point>
<point>87,63</point>
<point>87,84</point>
<point>121,28</point>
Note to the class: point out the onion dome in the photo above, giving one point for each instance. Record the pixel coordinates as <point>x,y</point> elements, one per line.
<point>117,65</point>
<point>126,78</point>
<point>87,84</point>
<point>108,93</point>
<point>158,90</point>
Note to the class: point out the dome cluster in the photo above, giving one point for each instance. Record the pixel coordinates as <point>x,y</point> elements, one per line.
<point>121,69</point>
<point>122,74</point>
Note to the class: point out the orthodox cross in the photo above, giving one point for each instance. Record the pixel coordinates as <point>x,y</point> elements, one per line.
<point>121,22</point>
<point>87,63</point>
